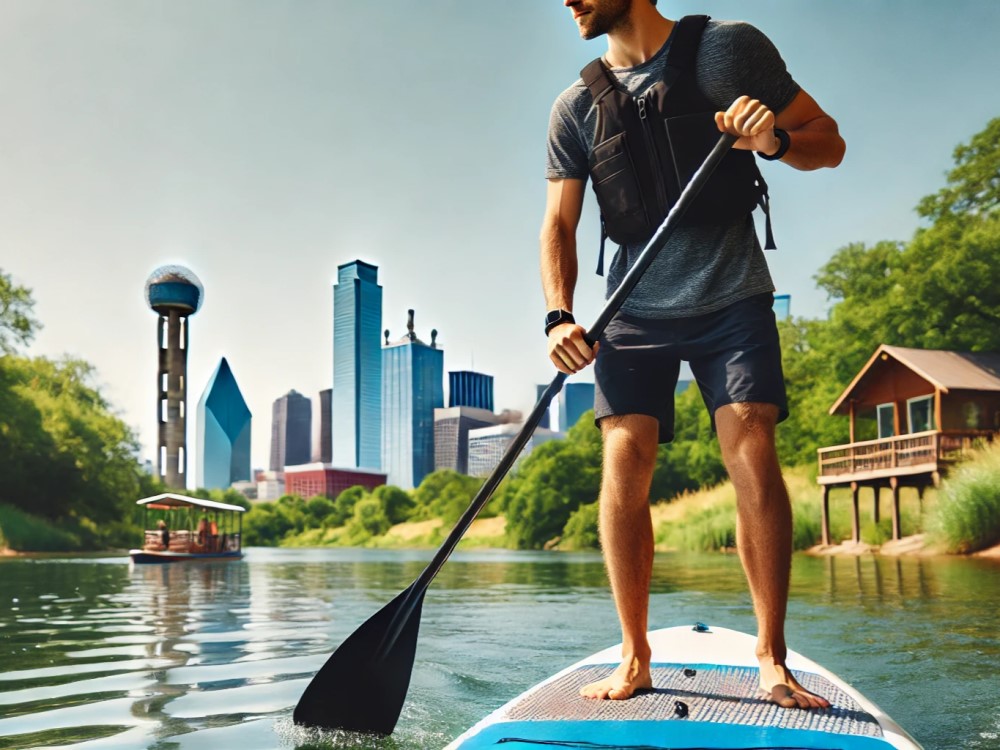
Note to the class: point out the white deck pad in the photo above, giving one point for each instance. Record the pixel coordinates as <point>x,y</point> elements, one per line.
<point>705,695</point>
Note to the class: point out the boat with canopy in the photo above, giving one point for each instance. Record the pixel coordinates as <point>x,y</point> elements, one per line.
<point>189,528</point>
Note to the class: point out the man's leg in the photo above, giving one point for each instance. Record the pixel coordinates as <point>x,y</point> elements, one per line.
<point>626,529</point>
<point>763,539</point>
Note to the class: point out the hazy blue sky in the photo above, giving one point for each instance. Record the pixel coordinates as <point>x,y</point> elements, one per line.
<point>262,144</point>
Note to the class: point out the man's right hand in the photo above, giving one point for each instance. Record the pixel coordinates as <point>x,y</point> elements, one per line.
<point>568,348</point>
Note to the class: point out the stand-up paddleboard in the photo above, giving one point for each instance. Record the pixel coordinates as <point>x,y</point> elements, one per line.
<point>705,684</point>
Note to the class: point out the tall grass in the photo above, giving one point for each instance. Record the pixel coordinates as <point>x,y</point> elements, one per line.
<point>706,519</point>
<point>26,533</point>
<point>967,516</point>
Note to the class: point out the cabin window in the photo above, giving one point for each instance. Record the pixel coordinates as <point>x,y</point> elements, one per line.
<point>886,420</point>
<point>972,415</point>
<point>921,413</point>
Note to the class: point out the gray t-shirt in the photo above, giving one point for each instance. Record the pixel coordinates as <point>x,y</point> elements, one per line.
<point>702,268</point>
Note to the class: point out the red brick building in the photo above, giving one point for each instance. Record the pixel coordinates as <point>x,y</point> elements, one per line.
<point>308,480</point>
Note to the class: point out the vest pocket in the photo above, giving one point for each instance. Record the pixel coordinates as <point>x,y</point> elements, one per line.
<point>617,189</point>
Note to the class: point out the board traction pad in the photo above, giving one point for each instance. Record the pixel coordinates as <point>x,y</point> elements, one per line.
<point>724,695</point>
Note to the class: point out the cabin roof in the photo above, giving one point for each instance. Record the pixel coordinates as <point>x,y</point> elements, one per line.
<point>169,500</point>
<point>945,370</point>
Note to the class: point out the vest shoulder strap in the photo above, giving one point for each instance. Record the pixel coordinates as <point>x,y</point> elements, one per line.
<point>684,42</point>
<point>597,78</point>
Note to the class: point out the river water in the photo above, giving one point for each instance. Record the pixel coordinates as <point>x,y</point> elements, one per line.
<point>97,653</point>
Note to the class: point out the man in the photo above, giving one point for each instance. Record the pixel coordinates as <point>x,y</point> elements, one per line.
<point>706,299</point>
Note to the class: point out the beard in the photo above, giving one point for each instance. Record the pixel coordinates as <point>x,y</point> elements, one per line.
<point>608,15</point>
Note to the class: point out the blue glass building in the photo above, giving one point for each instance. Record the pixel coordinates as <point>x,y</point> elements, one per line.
<point>357,367</point>
<point>782,306</point>
<point>468,388</point>
<point>546,420</point>
<point>412,388</point>
<point>223,427</point>
<point>574,400</point>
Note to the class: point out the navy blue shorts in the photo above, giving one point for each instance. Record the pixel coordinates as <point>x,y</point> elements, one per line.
<point>734,354</point>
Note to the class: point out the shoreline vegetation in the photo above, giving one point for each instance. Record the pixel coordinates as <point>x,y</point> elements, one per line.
<point>71,474</point>
<point>696,521</point>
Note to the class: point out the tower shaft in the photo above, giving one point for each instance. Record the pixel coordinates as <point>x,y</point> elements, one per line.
<point>171,384</point>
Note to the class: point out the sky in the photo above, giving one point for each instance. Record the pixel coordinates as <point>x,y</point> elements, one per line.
<point>264,143</point>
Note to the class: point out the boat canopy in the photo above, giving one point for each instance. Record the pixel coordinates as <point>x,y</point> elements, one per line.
<point>167,500</point>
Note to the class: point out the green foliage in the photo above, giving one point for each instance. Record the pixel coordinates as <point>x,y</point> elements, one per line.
<point>397,503</point>
<point>446,494</point>
<point>581,530</point>
<point>17,324</point>
<point>974,184</point>
<point>27,533</point>
<point>554,480</point>
<point>967,515</point>
<point>64,455</point>
<point>267,523</point>
<point>344,505</point>
<point>369,520</point>
<point>320,509</point>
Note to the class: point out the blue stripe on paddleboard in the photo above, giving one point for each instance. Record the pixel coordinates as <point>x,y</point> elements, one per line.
<point>672,734</point>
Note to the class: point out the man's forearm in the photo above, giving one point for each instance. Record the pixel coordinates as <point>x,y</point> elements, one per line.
<point>814,145</point>
<point>559,266</point>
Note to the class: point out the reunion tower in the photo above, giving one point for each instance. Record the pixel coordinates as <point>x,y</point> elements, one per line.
<point>175,293</point>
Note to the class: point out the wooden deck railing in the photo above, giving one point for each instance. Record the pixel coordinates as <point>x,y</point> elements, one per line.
<point>903,454</point>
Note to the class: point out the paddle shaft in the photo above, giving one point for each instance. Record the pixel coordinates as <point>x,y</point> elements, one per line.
<point>611,307</point>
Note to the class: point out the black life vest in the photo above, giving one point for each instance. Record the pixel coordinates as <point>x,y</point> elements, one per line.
<point>646,148</point>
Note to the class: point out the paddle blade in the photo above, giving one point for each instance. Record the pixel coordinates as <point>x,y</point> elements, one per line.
<point>363,684</point>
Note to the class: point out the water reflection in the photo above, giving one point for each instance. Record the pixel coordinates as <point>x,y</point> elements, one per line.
<point>104,655</point>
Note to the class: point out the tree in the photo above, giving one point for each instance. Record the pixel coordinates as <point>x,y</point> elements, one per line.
<point>17,325</point>
<point>397,503</point>
<point>446,494</point>
<point>973,187</point>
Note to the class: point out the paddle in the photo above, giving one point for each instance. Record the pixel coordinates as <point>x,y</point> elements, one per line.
<point>363,684</point>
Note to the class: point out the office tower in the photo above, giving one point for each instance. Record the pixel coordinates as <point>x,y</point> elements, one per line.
<point>175,293</point>
<point>412,388</point>
<point>546,420</point>
<point>357,367</point>
<point>451,435</point>
<point>487,445</point>
<point>322,447</point>
<point>291,431</point>
<point>574,400</point>
<point>468,388</point>
<point>782,306</point>
<point>223,428</point>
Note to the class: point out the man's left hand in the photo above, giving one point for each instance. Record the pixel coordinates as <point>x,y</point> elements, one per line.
<point>753,122</point>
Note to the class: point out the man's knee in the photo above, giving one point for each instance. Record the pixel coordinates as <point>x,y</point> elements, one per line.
<point>746,425</point>
<point>630,443</point>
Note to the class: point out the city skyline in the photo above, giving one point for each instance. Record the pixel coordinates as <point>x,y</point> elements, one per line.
<point>215,136</point>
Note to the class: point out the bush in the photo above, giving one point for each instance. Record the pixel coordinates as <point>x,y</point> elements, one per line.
<point>967,516</point>
<point>27,533</point>
<point>581,530</point>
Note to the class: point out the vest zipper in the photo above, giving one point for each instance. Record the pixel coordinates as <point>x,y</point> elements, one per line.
<point>661,191</point>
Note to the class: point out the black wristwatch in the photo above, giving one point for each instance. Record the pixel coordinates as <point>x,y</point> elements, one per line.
<point>554,318</point>
<point>783,143</point>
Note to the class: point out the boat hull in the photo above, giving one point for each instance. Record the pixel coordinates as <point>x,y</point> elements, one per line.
<point>147,557</point>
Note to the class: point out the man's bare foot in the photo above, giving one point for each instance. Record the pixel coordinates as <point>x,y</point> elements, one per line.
<point>630,677</point>
<point>777,685</point>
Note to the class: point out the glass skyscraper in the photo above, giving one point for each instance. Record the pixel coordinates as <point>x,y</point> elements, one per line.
<point>357,367</point>
<point>223,426</point>
<point>574,400</point>
<point>291,431</point>
<point>412,388</point>
<point>468,388</point>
